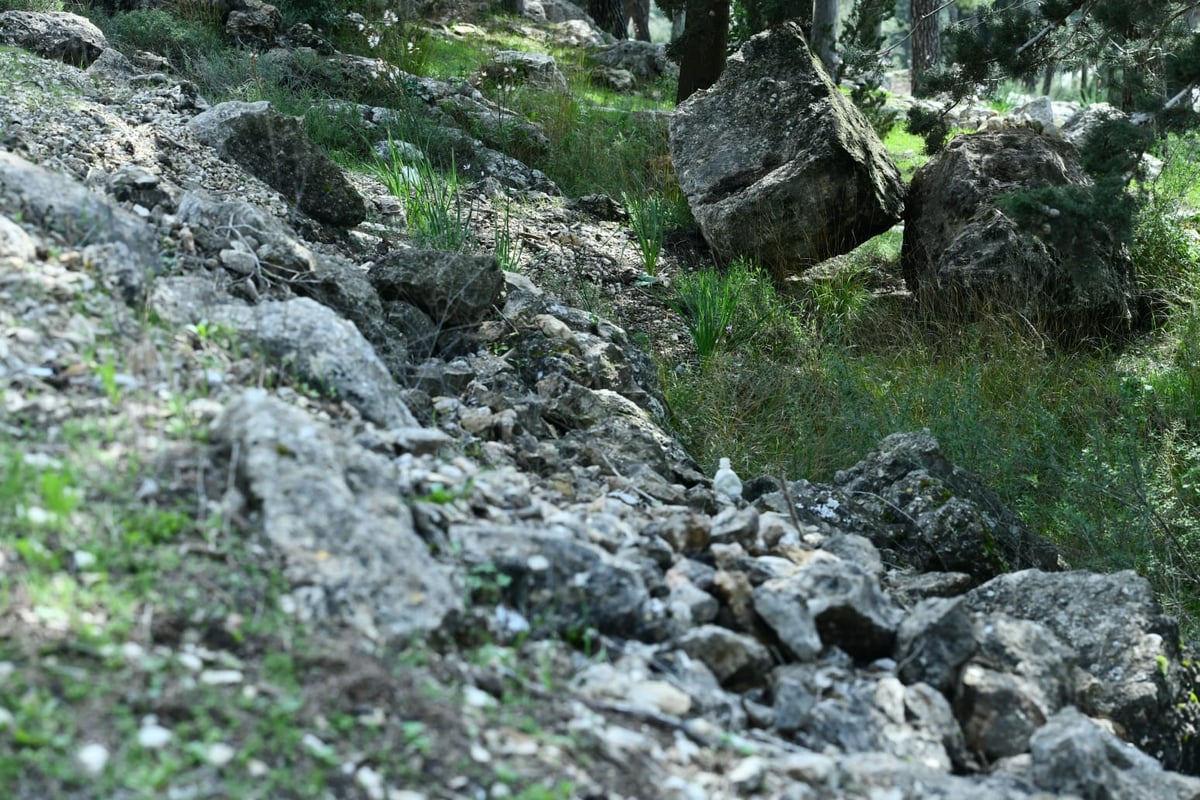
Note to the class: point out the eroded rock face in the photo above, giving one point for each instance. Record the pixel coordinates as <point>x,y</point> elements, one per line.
<point>332,509</point>
<point>534,497</point>
<point>119,245</point>
<point>53,34</point>
<point>1074,755</point>
<point>777,165</point>
<point>938,516</point>
<point>1116,632</point>
<point>253,22</point>
<point>965,253</point>
<point>276,149</point>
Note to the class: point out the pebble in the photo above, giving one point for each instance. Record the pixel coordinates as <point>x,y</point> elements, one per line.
<point>660,696</point>
<point>190,661</point>
<point>92,757</point>
<point>477,698</point>
<point>221,677</point>
<point>83,559</point>
<point>6,718</point>
<point>153,736</point>
<point>219,754</point>
<point>748,774</point>
<point>370,782</point>
<point>315,746</point>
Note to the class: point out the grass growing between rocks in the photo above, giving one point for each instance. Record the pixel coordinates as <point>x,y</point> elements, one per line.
<point>1098,448</point>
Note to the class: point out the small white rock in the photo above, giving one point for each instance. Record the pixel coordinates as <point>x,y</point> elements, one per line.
<point>477,698</point>
<point>83,559</point>
<point>92,757</point>
<point>371,782</point>
<point>748,774</point>
<point>479,754</point>
<point>315,746</point>
<point>153,736</point>
<point>191,661</point>
<point>219,754</point>
<point>221,677</point>
<point>38,516</point>
<point>256,768</point>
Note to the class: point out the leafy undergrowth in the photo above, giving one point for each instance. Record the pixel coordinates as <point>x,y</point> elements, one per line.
<point>1098,447</point>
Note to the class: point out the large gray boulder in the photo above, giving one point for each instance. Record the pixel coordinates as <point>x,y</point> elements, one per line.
<point>452,288</point>
<point>276,149</point>
<point>1120,637</point>
<point>332,508</point>
<point>120,246</point>
<point>1073,755</point>
<point>967,251</point>
<point>299,336</point>
<point>53,34</point>
<point>937,516</point>
<point>777,164</point>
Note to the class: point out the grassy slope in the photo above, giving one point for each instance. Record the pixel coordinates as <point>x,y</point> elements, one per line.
<point>1096,448</point>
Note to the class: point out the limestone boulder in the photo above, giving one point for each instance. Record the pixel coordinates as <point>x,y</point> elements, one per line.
<point>301,337</point>
<point>1115,631</point>
<point>53,34</point>
<point>452,288</point>
<point>254,23</point>
<point>971,245</point>
<point>646,61</point>
<point>509,68</point>
<point>936,515</point>
<point>331,508</point>
<point>118,245</point>
<point>1073,755</point>
<point>256,246</point>
<point>276,149</point>
<point>777,164</point>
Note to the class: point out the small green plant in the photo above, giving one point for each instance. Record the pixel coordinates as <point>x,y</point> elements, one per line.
<point>438,217</point>
<point>648,216</point>
<point>839,301</point>
<point>727,308</point>
<point>508,247</point>
<point>107,373</point>
<point>485,583</point>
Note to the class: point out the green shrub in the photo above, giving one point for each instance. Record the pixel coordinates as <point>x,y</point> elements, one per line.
<point>436,213</point>
<point>1165,239</point>
<point>737,308</point>
<point>33,5</point>
<point>648,216</point>
<point>180,40</point>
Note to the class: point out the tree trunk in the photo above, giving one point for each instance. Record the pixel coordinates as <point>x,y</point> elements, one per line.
<point>926,42</point>
<point>702,48</point>
<point>609,16</point>
<point>1048,80</point>
<point>639,12</point>
<point>824,33</point>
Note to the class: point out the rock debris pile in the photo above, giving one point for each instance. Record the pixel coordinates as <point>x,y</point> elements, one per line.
<point>476,458</point>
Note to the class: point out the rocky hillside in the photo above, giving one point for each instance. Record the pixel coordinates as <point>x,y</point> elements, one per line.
<point>293,508</point>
